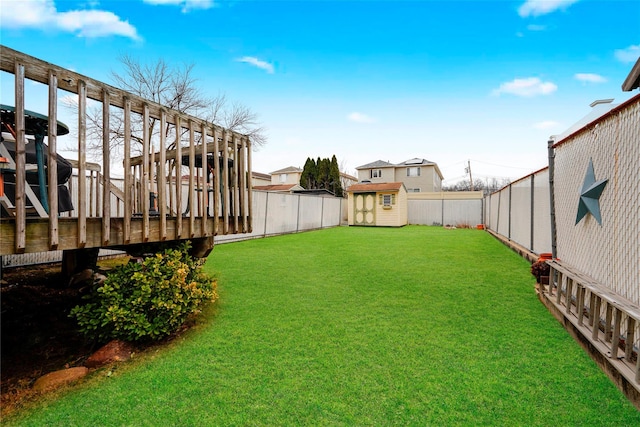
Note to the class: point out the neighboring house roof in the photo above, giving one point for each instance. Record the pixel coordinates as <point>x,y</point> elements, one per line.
<point>347,176</point>
<point>633,79</point>
<point>376,164</point>
<point>416,161</point>
<point>278,187</point>
<point>290,169</point>
<point>589,121</point>
<point>598,109</point>
<point>372,187</point>
<point>410,162</point>
<point>261,175</point>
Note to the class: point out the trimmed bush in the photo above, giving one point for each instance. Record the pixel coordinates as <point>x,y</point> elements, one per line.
<point>146,301</point>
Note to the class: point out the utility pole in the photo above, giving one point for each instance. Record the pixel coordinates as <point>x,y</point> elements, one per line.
<point>468,170</point>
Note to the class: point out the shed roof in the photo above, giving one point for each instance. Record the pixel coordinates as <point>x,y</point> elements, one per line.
<point>368,187</point>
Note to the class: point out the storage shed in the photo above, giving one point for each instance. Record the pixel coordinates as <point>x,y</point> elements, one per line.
<point>377,204</point>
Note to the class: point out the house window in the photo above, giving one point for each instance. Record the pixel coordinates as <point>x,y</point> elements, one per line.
<point>375,173</point>
<point>283,177</point>
<point>415,171</point>
<point>413,190</point>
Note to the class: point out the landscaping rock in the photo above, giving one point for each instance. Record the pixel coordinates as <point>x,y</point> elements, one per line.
<point>83,277</point>
<point>57,378</point>
<point>114,351</point>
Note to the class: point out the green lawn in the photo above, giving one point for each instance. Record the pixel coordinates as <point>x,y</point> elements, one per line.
<point>359,326</point>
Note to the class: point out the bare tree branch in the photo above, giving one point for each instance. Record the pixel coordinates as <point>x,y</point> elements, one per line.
<point>175,88</point>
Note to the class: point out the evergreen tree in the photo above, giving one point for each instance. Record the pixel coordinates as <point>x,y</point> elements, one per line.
<point>308,177</point>
<point>322,174</point>
<point>334,177</point>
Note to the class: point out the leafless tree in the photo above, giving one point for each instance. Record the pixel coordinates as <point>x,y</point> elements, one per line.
<point>175,88</point>
<point>487,186</point>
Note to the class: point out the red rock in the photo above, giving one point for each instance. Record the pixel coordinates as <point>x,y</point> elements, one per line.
<point>57,378</point>
<point>114,351</point>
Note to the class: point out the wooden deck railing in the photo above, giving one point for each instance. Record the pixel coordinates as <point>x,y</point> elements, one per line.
<point>218,194</point>
<point>607,320</point>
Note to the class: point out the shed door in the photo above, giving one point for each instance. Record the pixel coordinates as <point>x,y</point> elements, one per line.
<point>365,204</point>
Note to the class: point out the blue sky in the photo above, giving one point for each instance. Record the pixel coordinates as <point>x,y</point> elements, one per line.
<point>449,81</point>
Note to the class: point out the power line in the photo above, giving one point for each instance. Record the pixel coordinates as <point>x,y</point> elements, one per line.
<point>501,166</point>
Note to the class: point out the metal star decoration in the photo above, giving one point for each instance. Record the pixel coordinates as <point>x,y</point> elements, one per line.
<point>590,195</point>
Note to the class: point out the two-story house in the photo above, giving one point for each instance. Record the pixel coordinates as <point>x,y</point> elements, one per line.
<point>417,175</point>
<point>289,175</point>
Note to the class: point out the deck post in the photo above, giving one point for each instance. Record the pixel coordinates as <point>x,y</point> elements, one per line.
<point>249,188</point>
<point>192,195</point>
<point>161,176</point>
<point>215,182</point>
<point>106,169</point>
<point>21,218</point>
<point>52,166</point>
<point>628,349</point>
<point>178,164</point>
<point>236,180</point>
<point>595,331</point>
<point>146,139</point>
<point>615,339</point>
<point>225,182</point>
<point>568,295</point>
<point>607,323</point>
<point>242,190</point>
<point>128,174</point>
<point>205,183</point>
<point>580,303</point>
<point>82,164</point>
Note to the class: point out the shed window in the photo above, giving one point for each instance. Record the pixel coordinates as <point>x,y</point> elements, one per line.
<point>387,199</point>
<point>375,173</point>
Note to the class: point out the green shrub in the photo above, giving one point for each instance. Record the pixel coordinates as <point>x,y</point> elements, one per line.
<point>146,301</point>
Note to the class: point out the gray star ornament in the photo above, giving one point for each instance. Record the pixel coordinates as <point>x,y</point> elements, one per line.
<point>590,195</point>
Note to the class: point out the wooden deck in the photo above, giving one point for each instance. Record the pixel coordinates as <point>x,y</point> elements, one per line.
<point>196,199</point>
<point>604,323</point>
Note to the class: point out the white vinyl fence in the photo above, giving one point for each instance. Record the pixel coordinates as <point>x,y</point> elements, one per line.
<point>282,213</point>
<point>520,212</point>
<point>457,213</point>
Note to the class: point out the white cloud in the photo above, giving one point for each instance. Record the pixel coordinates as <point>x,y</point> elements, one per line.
<point>546,125</point>
<point>187,5</point>
<point>543,7</point>
<point>589,78</point>
<point>534,27</point>
<point>257,63</point>
<point>629,54</point>
<point>530,86</point>
<point>84,23</point>
<point>359,118</point>
<point>95,23</point>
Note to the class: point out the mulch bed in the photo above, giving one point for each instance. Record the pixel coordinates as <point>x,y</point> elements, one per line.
<point>37,334</point>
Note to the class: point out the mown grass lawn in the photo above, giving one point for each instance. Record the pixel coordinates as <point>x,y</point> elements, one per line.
<point>360,326</point>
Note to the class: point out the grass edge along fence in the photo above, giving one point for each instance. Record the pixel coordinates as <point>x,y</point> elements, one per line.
<point>359,326</point>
